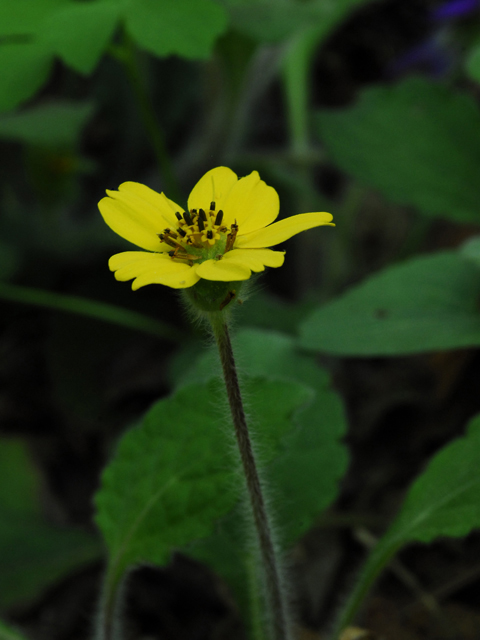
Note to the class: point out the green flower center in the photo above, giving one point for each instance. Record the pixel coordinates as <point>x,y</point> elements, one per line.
<point>200,236</point>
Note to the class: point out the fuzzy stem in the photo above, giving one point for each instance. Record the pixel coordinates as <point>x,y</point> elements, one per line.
<point>276,600</point>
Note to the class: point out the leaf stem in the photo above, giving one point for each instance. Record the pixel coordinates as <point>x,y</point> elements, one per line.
<point>276,598</point>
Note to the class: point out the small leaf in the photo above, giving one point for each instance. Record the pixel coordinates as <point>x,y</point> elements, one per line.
<point>49,125</point>
<point>23,69</point>
<point>187,28</point>
<point>424,304</point>
<point>79,32</point>
<point>173,477</point>
<point>417,142</point>
<point>443,501</point>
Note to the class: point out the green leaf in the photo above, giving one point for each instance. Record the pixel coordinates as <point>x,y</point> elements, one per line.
<point>187,28</point>
<point>417,142</point>
<point>470,250</point>
<point>443,501</point>
<point>33,553</point>
<point>49,125</point>
<point>172,478</point>
<point>23,69</point>
<point>9,633</point>
<point>275,20</point>
<point>22,17</point>
<point>424,304</point>
<point>80,32</point>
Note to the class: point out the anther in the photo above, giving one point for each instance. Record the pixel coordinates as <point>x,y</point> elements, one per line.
<point>210,234</point>
<point>219,217</point>
<point>188,218</point>
<point>212,206</point>
<point>202,215</point>
<point>178,215</point>
<point>201,226</point>
<point>182,232</point>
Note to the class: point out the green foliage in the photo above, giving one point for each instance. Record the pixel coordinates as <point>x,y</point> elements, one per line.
<point>417,142</point>
<point>33,554</point>
<point>274,20</point>
<point>443,501</point>
<point>423,304</point>
<point>172,478</point>
<point>49,125</point>
<point>24,67</point>
<point>187,28</point>
<point>473,63</point>
<point>79,32</point>
<point>9,633</point>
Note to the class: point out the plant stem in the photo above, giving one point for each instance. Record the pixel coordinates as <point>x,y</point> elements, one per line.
<point>128,56</point>
<point>276,600</point>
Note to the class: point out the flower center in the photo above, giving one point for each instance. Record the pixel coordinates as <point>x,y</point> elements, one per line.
<point>200,235</point>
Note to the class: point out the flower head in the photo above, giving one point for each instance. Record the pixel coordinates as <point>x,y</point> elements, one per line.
<point>223,235</point>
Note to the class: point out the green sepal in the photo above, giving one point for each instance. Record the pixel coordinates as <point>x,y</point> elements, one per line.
<point>213,295</point>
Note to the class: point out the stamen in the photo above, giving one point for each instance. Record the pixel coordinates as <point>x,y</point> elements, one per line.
<point>188,218</point>
<point>219,218</point>
<point>201,226</point>
<point>209,234</point>
<point>178,215</point>
<point>212,206</point>
<point>202,215</point>
<point>182,232</point>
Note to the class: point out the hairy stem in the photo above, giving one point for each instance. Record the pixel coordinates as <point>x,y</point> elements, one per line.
<point>276,600</point>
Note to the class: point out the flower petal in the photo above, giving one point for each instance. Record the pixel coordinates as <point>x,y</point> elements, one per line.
<point>212,187</point>
<point>255,259</point>
<point>282,230</point>
<point>138,218</point>
<point>222,270</point>
<point>251,203</point>
<point>151,268</point>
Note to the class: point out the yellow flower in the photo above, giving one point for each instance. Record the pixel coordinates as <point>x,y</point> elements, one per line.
<point>223,236</point>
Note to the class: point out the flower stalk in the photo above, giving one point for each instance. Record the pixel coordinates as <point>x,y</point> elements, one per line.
<point>275,595</point>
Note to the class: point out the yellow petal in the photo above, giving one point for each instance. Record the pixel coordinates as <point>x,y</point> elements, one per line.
<point>283,230</point>
<point>222,270</point>
<point>138,218</point>
<point>214,186</point>
<point>151,268</point>
<point>251,203</point>
<point>255,259</point>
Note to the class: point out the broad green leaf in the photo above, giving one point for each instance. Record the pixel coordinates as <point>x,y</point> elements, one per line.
<point>443,501</point>
<point>9,633</point>
<point>33,553</point>
<point>23,70</point>
<point>470,250</point>
<point>187,28</point>
<point>49,125</point>
<point>23,16</point>
<point>418,142</point>
<point>175,475</point>
<point>275,20</point>
<point>79,32</point>
<point>424,304</point>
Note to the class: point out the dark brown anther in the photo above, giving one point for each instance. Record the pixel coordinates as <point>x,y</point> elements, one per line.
<point>219,217</point>
<point>182,232</point>
<point>171,254</point>
<point>193,211</point>
<point>201,226</point>
<point>202,215</point>
<point>161,236</point>
<point>212,206</point>
<point>188,218</point>
<point>178,215</point>
<point>169,241</point>
<point>209,234</point>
